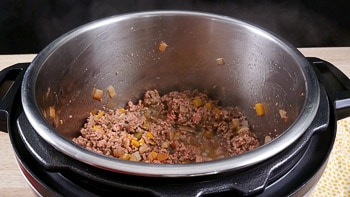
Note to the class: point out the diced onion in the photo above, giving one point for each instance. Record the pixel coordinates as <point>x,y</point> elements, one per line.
<point>111,91</point>
<point>52,112</point>
<point>244,123</point>
<point>144,148</point>
<point>267,139</point>
<point>283,114</point>
<point>97,94</point>
<point>236,122</point>
<point>220,61</point>
<point>183,109</point>
<point>135,156</point>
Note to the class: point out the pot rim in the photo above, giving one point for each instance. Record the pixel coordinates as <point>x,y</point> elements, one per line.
<point>50,135</point>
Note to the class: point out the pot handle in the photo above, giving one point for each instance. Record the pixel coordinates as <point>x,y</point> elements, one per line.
<point>10,82</point>
<point>336,83</point>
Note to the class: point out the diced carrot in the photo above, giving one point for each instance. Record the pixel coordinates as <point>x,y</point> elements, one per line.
<point>149,135</point>
<point>154,155</point>
<point>162,156</point>
<point>135,143</point>
<point>100,114</point>
<point>125,156</point>
<point>197,102</point>
<point>162,46</point>
<point>141,141</point>
<point>259,109</point>
<point>208,105</point>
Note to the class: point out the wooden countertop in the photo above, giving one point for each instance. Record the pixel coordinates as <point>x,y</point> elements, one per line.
<point>13,184</point>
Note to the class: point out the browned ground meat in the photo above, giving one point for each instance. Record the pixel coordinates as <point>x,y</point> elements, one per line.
<point>179,127</point>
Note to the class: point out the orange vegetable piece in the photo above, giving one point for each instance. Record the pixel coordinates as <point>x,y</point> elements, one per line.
<point>259,109</point>
<point>100,114</point>
<point>121,110</point>
<point>162,156</point>
<point>154,155</point>
<point>197,102</point>
<point>135,143</point>
<point>149,135</point>
<point>162,46</point>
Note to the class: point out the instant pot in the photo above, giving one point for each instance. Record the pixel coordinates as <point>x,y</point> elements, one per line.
<point>123,51</point>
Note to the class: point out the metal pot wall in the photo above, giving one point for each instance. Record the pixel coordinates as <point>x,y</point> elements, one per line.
<point>123,51</point>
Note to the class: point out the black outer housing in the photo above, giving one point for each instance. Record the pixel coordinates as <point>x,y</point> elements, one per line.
<point>337,85</point>
<point>293,171</point>
<point>10,83</point>
<point>255,181</point>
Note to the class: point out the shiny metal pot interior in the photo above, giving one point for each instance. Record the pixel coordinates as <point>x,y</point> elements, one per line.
<point>123,51</point>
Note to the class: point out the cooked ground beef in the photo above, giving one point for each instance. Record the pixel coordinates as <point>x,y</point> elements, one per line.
<point>179,127</point>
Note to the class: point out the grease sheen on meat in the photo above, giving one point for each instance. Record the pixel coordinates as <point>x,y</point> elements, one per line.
<point>178,127</point>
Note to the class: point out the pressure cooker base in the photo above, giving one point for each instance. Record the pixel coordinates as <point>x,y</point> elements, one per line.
<point>298,181</point>
<point>79,179</point>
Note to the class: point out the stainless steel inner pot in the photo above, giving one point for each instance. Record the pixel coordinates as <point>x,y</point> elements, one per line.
<point>123,51</point>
